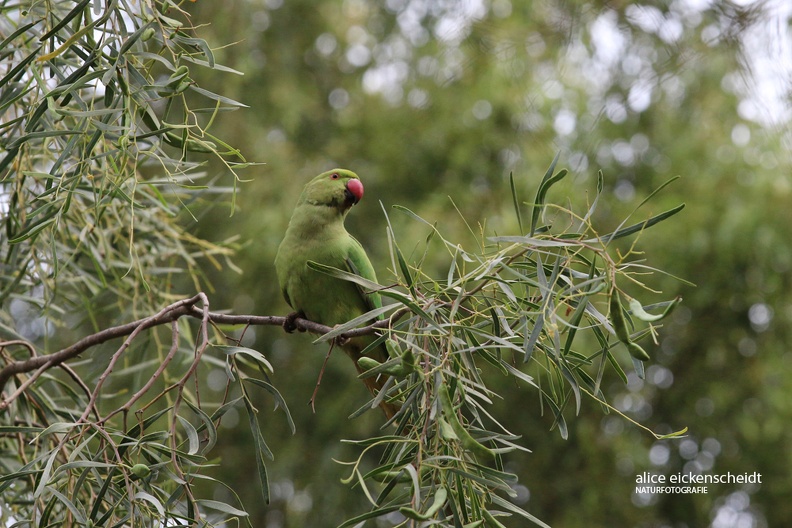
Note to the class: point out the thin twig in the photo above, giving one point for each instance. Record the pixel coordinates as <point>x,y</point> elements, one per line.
<point>312,401</point>
<point>200,349</point>
<point>205,318</point>
<point>145,323</point>
<point>27,383</point>
<point>78,380</point>
<point>22,343</point>
<point>165,362</point>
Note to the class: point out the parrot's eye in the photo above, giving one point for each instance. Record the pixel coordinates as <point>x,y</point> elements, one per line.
<point>334,176</point>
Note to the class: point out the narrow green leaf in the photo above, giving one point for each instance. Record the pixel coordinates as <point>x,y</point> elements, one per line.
<point>496,326</point>
<point>374,368</point>
<point>68,17</point>
<point>223,409</point>
<point>46,474</point>
<point>491,520</point>
<point>216,97</point>
<point>171,23</point>
<point>536,331</point>
<point>354,323</point>
<point>134,37</point>
<point>412,214</point>
<point>39,135</point>
<point>279,400</point>
<point>12,97</point>
<point>663,186</point>
<point>244,351</point>
<point>192,435</point>
<point>531,241</point>
<point>221,507</point>
<point>83,464</point>
<point>405,269</point>
<point>215,66</point>
<point>593,207</point>
<point>547,181</point>
<point>478,477</point>
<point>466,439</point>
<point>573,383</point>
<point>48,509</point>
<point>261,450</point>
<point>65,88</point>
<point>376,512</point>
<point>75,511</point>
<point>20,30</point>
<point>515,509</point>
<point>16,475</point>
<point>675,434</point>
<point>515,201</point>
<point>19,429</point>
<point>206,424</point>
<point>592,285</point>
<point>19,69</point>
<point>198,43</point>
<point>151,499</point>
<point>623,232</point>
<point>439,500</point>
<point>616,366</point>
<point>99,499</point>
<point>518,374</point>
<point>560,421</point>
<point>344,275</point>
<point>60,427</point>
<point>11,154</point>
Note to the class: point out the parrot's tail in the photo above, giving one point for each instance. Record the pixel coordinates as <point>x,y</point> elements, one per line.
<point>374,383</point>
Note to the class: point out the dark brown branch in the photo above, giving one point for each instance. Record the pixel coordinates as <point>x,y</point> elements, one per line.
<point>186,307</point>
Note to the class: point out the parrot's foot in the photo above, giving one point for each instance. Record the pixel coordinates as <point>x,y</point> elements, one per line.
<point>289,325</point>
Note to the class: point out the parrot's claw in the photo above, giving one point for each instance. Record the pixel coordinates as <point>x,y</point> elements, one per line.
<point>289,326</point>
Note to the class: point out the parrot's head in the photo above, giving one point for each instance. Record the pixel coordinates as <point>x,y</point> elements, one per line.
<point>339,188</point>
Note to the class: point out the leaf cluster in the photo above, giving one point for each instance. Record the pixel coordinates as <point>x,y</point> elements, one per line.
<point>541,309</point>
<point>79,463</point>
<point>100,157</point>
<point>104,143</point>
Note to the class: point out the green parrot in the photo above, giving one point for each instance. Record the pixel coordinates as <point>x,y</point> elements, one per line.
<point>316,233</point>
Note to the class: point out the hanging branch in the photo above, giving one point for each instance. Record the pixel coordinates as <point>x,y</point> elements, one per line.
<point>169,314</point>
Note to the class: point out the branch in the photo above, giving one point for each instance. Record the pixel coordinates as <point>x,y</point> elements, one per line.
<point>185,307</point>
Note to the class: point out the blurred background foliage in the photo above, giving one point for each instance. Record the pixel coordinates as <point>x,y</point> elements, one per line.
<point>431,99</point>
<point>434,103</point>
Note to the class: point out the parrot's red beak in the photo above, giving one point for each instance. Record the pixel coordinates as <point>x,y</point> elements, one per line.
<point>354,190</point>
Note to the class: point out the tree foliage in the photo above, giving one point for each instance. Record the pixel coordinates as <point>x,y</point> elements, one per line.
<point>516,306</point>
<point>95,128</point>
<point>74,168</point>
<point>96,174</point>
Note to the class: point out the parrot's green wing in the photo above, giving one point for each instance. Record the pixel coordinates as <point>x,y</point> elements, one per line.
<point>358,263</point>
